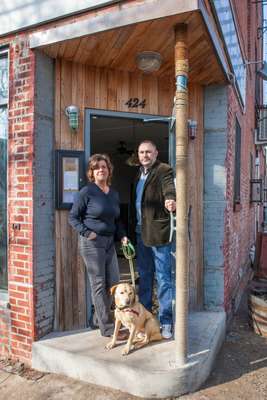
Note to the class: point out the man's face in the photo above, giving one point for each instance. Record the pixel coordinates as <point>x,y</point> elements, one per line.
<point>147,154</point>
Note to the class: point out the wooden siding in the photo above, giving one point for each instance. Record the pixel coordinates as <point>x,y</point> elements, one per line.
<point>117,48</point>
<point>102,88</point>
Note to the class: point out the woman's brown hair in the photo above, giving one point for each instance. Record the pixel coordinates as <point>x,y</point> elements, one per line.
<point>93,164</point>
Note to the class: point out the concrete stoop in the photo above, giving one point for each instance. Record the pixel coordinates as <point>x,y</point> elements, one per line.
<point>147,372</point>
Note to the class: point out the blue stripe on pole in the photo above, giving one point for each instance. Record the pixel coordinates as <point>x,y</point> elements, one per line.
<point>181,82</point>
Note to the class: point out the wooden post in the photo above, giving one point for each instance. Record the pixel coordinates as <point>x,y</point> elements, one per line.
<point>181,106</point>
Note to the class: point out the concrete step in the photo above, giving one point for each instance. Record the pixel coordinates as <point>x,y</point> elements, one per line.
<point>148,372</point>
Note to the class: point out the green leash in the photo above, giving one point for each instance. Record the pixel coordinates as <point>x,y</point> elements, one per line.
<point>129,253</point>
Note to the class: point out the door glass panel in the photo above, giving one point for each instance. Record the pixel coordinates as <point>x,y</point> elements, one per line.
<point>3,79</point>
<point>3,198</point>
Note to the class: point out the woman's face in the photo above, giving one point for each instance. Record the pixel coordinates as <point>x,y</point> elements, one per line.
<point>101,172</point>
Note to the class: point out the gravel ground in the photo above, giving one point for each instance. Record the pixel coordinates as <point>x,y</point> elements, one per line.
<point>240,372</point>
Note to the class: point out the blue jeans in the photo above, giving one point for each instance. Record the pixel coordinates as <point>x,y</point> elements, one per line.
<point>155,260</point>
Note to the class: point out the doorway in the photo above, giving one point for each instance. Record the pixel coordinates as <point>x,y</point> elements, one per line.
<point>118,135</point>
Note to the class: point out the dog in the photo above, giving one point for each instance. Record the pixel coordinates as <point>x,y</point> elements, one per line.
<point>143,326</point>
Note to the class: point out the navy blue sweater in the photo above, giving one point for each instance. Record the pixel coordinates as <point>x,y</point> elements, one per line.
<point>95,211</point>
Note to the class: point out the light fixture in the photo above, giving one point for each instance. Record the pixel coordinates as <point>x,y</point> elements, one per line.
<point>72,112</point>
<point>253,62</point>
<point>192,129</point>
<point>122,148</point>
<point>263,72</point>
<point>148,61</point>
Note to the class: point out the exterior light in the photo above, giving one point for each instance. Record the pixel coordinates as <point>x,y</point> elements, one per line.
<point>261,72</point>
<point>72,112</point>
<point>192,129</point>
<point>149,61</point>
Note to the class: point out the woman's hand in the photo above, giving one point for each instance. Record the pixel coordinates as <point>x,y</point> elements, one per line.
<point>124,241</point>
<point>92,236</point>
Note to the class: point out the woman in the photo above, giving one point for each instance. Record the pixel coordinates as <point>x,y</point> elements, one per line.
<point>95,216</point>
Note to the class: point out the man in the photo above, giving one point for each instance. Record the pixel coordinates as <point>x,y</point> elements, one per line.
<point>154,194</point>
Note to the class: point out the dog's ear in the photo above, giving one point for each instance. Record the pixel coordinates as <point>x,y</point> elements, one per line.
<point>112,289</point>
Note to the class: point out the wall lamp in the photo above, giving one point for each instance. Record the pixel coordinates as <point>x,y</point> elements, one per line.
<point>191,124</point>
<point>72,112</point>
<point>192,129</point>
<point>262,72</point>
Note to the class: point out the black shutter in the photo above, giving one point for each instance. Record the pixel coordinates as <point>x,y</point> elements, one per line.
<point>237,171</point>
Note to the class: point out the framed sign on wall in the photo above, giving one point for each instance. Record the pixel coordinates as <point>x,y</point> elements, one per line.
<point>70,176</point>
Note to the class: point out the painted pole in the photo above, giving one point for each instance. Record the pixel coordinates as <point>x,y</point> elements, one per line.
<point>181,111</point>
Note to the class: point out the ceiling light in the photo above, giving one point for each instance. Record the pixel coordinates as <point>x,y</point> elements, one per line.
<point>148,61</point>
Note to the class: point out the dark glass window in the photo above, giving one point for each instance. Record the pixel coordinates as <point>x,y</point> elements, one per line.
<point>3,166</point>
<point>237,171</point>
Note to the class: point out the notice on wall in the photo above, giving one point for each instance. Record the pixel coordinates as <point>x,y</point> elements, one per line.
<point>70,178</point>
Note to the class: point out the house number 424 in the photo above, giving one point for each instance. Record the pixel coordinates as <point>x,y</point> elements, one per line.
<point>135,102</point>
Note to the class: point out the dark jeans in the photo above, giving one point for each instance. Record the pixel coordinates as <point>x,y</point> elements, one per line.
<point>102,268</point>
<point>156,260</point>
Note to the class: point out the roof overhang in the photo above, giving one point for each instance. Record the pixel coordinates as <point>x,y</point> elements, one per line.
<point>115,16</point>
<point>124,14</point>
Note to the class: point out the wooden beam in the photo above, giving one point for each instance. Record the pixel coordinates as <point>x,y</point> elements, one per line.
<point>182,241</point>
<point>118,16</point>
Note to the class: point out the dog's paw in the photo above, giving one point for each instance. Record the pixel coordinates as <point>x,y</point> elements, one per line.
<point>110,346</point>
<point>125,351</point>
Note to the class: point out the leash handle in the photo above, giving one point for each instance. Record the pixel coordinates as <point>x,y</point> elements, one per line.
<point>129,253</point>
<point>172,225</point>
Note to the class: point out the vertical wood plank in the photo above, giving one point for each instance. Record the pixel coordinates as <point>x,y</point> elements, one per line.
<point>66,100</point>
<point>97,88</point>
<point>103,89</point>
<point>78,95</point>
<point>112,89</point>
<point>89,96</point>
<point>123,92</point>
<point>166,92</point>
<point>67,258</point>
<point>58,104</point>
<point>59,304</point>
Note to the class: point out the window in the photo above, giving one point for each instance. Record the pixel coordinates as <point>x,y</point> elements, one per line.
<point>237,170</point>
<point>3,166</point>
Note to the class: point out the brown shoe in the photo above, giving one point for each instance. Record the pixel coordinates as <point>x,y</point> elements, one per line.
<point>123,335</point>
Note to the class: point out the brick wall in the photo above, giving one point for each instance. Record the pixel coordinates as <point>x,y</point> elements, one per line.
<point>240,224</point>
<point>19,320</point>
<point>28,312</point>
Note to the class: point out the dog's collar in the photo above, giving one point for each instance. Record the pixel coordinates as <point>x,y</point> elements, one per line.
<point>127,309</point>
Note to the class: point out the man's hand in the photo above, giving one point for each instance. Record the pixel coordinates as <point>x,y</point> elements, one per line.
<point>170,205</point>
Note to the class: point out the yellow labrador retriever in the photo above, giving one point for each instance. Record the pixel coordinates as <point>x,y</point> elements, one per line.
<point>142,325</point>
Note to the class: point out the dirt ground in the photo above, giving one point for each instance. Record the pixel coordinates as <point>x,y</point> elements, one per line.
<point>240,372</point>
